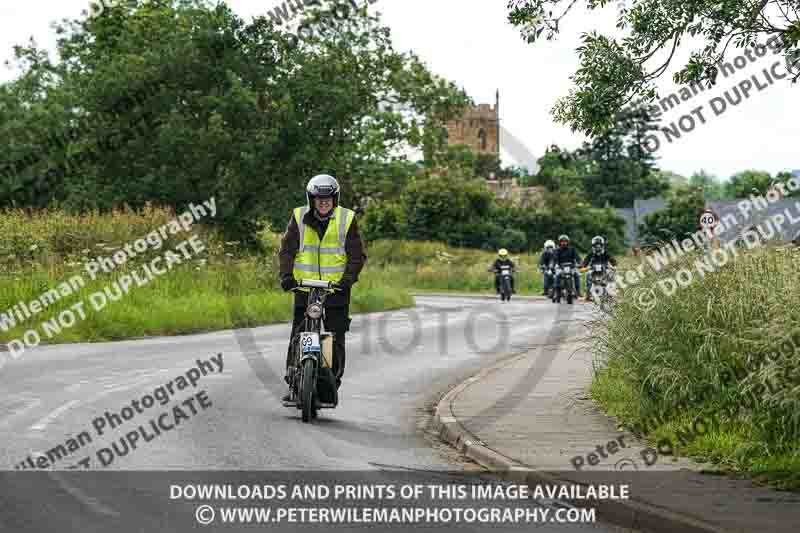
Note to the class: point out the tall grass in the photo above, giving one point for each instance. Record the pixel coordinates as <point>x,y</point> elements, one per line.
<point>435,266</point>
<point>726,349</point>
<point>220,288</point>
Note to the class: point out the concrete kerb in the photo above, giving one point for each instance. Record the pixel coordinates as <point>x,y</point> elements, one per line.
<point>624,513</point>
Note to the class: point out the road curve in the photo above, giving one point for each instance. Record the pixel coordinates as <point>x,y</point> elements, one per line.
<point>399,364</point>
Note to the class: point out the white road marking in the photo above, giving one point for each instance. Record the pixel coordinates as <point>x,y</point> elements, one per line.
<point>82,497</point>
<point>44,422</point>
<point>110,388</point>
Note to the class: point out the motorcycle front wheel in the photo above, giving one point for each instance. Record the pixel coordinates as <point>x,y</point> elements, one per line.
<point>309,386</point>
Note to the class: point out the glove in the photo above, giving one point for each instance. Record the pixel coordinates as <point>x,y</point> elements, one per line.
<point>288,283</point>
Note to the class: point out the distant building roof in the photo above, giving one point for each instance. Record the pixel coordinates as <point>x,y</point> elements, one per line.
<point>734,222</point>
<point>635,215</point>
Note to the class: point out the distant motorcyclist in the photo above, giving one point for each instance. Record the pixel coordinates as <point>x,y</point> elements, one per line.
<point>548,256</point>
<point>598,255</point>
<point>502,261</point>
<point>567,254</point>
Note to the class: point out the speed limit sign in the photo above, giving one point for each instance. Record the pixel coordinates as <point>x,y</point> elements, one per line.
<point>708,219</point>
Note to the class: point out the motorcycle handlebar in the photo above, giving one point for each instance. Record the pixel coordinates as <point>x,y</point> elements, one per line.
<point>317,284</point>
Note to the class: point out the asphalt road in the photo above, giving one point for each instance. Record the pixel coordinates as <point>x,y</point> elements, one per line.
<point>399,364</point>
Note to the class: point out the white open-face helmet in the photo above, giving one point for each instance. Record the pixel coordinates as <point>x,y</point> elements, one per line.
<point>322,185</point>
<point>549,245</point>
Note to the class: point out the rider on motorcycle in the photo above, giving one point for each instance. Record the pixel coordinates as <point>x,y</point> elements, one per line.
<point>329,236</point>
<point>567,254</point>
<point>548,256</point>
<point>502,261</point>
<point>598,255</point>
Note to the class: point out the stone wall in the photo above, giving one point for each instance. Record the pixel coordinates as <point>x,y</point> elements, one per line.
<point>478,128</point>
<point>510,189</point>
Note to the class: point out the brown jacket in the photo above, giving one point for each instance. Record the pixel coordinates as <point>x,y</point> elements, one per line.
<point>354,248</point>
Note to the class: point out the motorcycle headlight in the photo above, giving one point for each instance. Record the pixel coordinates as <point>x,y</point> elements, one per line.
<point>314,311</point>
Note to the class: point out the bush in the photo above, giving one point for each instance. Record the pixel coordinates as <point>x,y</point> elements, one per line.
<point>676,221</point>
<point>434,206</point>
<point>382,221</point>
<point>464,213</point>
<point>513,239</point>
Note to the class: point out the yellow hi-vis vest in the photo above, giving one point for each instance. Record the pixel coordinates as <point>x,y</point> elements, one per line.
<point>324,260</point>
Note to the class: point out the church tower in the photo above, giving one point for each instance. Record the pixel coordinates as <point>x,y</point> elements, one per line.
<point>478,128</point>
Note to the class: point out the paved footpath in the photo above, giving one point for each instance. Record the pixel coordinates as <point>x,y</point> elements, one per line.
<point>539,433</point>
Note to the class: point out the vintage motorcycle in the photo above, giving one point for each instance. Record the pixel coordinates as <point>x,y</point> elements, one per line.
<point>602,278</point>
<point>506,274</point>
<point>505,283</point>
<point>313,384</point>
<point>566,273</point>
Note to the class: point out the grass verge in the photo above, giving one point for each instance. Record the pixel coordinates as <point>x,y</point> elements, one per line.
<point>431,266</point>
<point>713,371</point>
<point>218,288</point>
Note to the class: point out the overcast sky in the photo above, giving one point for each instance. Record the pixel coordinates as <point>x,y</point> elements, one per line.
<point>471,43</point>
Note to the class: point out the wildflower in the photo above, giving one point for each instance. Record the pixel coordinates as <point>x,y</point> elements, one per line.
<point>34,248</point>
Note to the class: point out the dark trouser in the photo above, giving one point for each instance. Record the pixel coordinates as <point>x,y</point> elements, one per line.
<point>549,280</point>
<point>337,321</point>
<point>497,283</point>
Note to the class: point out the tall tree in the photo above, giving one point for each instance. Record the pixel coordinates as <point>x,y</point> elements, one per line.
<point>712,187</point>
<point>613,72</point>
<point>562,171</point>
<point>748,182</point>
<point>624,169</point>
<point>675,179</point>
<point>180,100</point>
